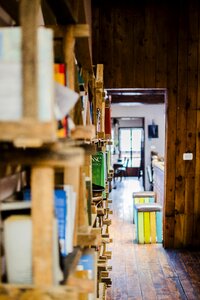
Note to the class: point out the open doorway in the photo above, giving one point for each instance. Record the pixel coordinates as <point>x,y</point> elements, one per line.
<point>150,145</point>
<point>141,104</point>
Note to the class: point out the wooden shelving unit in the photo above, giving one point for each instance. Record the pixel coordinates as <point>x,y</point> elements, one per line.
<point>33,145</point>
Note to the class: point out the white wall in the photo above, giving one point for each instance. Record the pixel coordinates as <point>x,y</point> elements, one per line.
<point>149,113</point>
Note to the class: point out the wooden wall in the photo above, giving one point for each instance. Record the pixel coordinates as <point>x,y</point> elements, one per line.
<point>157,44</point>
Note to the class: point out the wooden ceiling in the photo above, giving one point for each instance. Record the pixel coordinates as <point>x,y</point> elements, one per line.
<point>56,12</point>
<point>12,8</point>
<point>67,11</point>
<point>144,96</point>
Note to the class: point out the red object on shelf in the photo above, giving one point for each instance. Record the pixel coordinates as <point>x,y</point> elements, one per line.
<point>108,116</point>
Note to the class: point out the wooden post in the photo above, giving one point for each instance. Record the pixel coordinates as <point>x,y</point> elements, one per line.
<point>72,177</point>
<point>88,165</point>
<point>82,216</point>
<point>92,87</point>
<point>197,173</point>
<point>42,186</point>
<point>69,43</point>
<point>100,104</point>
<point>71,174</point>
<point>28,18</point>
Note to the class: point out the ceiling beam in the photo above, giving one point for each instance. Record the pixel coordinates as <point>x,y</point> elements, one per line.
<point>144,98</point>
<point>83,47</point>
<point>136,90</point>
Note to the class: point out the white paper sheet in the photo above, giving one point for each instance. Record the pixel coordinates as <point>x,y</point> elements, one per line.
<point>65,100</point>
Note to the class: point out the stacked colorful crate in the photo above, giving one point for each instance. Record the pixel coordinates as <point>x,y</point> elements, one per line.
<point>148,218</point>
<point>143,197</point>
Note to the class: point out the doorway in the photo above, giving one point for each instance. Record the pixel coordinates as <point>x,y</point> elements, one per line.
<point>151,145</point>
<point>146,104</point>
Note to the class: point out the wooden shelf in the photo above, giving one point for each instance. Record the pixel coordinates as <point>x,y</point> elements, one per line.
<point>19,133</point>
<point>102,291</point>
<point>84,285</point>
<point>15,205</point>
<point>31,291</point>
<point>91,239</point>
<point>83,132</point>
<point>31,143</point>
<point>55,155</point>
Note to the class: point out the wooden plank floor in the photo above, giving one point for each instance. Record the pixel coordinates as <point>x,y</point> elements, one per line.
<point>146,271</point>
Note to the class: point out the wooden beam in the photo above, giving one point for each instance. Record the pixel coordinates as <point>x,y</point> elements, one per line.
<point>83,132</point>
<point>91,239</point>
<point>78,31</point>
<point>83,224</point>
<point>81,30</point>
<point>42,186</point>
<point>82,33</point>
<point>99,99</point>
<point>145,99</point>
<point>19,132</point>
<point>69,42</point>
<point>28,19</point>
<point>83,284</point>
<point>148,91</point>
<point>83,48</point>
<point>52,156</point>
<point>99,76</point>
<point>32,292</point>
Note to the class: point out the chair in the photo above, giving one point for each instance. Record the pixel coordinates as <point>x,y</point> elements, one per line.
<point>150,177</point>
<point>121,171</point>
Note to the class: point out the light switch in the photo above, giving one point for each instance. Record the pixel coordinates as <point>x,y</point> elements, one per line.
<point>187,156</point>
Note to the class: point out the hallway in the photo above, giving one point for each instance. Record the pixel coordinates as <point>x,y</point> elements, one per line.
<point>146,271</point>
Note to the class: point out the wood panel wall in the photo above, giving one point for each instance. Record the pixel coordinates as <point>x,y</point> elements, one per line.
<point>156,44</point>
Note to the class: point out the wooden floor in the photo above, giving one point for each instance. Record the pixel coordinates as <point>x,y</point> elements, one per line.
<point>146,271</point>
